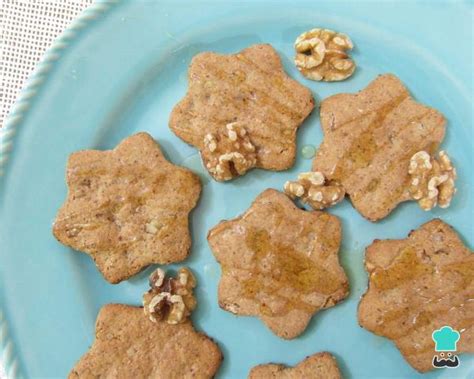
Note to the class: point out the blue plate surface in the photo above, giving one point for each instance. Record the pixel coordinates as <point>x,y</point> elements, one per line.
<point>122,73</point>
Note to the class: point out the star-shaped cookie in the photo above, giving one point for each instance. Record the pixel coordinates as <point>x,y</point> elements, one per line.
<point>127,207</point>
<point>416,286</point>
<point>128,345</point>
<point>279,263</point>
<point>369,138</point>
<point>317,366</point>
<point>251,91</point>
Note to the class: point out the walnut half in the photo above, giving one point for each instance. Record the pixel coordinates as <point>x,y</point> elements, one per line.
<point>170,299</point>
<point>431,180</point>
<point>312,189</point>
<point>228,152</point>
<point>321,54</point>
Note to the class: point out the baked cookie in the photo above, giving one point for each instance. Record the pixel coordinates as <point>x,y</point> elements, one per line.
<point>279,263</point>
<point>127,207</point>
<point>369,140</point>
<point>416,286</point>
<point>128,345</point>
<point>241,111</point>
<point>317,366</point>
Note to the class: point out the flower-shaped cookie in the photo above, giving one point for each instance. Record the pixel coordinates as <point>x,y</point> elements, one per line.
<point>279,263</point>
<point>369,139</point>
<point>128,345</point>
<point>416,286</point>
<point>241,111</point>
<point>127,208</point>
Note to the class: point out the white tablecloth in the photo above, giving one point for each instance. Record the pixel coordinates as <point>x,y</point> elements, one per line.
<point>27,29</point>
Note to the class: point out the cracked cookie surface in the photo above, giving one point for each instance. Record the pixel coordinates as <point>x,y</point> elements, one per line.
<point>369,139</point>
<point>249,88</point>
<point>127,207</point>
<point>416,286</point>
<point>279,263</point>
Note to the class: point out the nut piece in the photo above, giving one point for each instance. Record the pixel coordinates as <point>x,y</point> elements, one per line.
<point>312,189</point>
<point>170,299</point>
<point>153,226</point>
<point>321,55</point>
<point>229,152</point>
<point>431,180</point>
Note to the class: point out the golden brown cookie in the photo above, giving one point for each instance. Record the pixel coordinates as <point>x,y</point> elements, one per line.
<point>369,139</point>
<point>416,286</point>
<point>127,207</point>
<point>279,263</point>
<point>317,366</point>
<point>128,345</point>
<point>241,111</point>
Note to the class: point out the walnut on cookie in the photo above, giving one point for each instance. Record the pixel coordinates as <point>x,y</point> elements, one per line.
<point>313,189</point>
<point>170,299</point>
<point>432,180</point>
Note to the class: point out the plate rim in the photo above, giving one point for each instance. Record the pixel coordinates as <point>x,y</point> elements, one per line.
<point>32,87</point>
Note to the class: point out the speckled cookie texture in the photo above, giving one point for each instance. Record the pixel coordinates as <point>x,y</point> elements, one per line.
<point>317,366</point>
<point>279,263</point>
<point>127,207</point>
<point>128,345</point>
<point>369,138</point>
<point>416,286</point>
<point>251,89</point>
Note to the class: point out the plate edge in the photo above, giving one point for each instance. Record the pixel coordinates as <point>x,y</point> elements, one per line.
<point>31,88</point>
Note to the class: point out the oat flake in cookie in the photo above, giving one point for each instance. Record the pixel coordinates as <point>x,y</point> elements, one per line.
<point>128,345</point>
<point>369,141</point>
<point>241,111</point>
<point>279,263</point>
<point>127,207</point>
<point>317,366</point>
<point>418,285</point>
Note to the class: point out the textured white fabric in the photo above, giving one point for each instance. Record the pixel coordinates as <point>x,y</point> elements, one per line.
<point>27,28</point>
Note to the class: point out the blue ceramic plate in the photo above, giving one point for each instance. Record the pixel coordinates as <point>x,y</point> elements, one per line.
<point>120,69</point>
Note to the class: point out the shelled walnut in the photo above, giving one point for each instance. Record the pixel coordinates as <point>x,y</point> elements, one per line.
<point>229,152</point>
<point>170,299</point>
<point>431,180</point>
<point>313,189</point>
<point>321,54</point>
